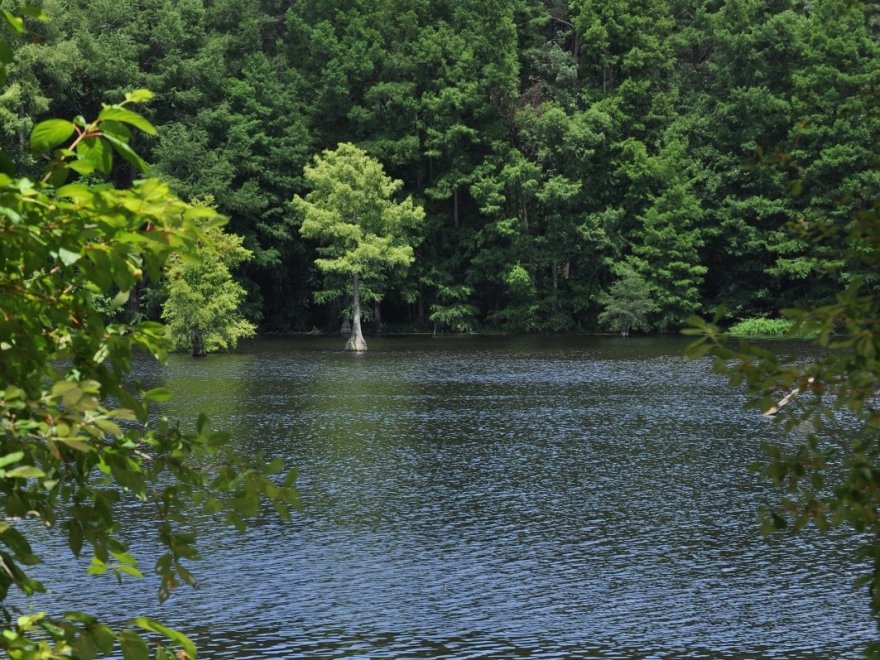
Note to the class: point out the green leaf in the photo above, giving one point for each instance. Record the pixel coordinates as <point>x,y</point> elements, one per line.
<point>175,636</point>
<point>96,152</point>
<point>97,567</point>
<point>120,299</point>
<point>15,22</point>
<point>14,457</point>
<point>115,113</point>
<point>67,257</point>
<point>128,570</point>
<point>75,443</point>
<point>133,646</point>
<point>50,133</point>
<point>126,152</point>
<point>75,191</point>
<point>109,427</point>
<point>158,394</point>
<point>82,167</point>
<point>138,96</point>
<point>14,540</point>
<point>25,472</point>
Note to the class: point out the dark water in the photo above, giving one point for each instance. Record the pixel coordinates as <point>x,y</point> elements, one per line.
<point>487,497</point>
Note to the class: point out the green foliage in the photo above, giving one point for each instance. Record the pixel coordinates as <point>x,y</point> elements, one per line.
<point>453,312</point>
<point>566,137</point>
<point>521,310</point>
<point>828,468</point>
<point>350,211</point>
<point>202,309</point>
<point>365,235</point>
<point>629,304</point>
<point>760,326</point>
<point>66,456</point>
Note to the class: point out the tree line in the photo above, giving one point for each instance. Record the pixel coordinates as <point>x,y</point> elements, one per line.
<point>567,155</point>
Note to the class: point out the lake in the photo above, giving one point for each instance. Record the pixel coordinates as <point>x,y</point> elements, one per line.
<point>492,497</point>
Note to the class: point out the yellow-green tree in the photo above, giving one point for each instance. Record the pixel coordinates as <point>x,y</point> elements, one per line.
<point>202,310</point>
<point>363,232</point>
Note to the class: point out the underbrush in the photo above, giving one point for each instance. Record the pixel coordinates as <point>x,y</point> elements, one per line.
<point>760,327</point>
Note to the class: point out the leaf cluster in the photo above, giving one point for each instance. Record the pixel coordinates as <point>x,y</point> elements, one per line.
<point>829,467</point>
<point>67,455</point>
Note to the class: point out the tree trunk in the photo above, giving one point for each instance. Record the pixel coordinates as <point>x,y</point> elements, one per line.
<point>198,343</point>
<point>377,313</point>
<point>555,306</point>
<point>134,304</point>
<point>356,342</point>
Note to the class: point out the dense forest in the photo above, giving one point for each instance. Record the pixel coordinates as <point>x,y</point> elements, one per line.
<point>562,151</point>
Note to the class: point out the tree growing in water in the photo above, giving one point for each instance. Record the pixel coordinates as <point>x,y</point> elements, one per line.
<point>364,232</point>
<point>202,309</point>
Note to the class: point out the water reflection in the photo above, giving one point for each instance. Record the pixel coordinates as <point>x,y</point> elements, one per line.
<point>498,497</point>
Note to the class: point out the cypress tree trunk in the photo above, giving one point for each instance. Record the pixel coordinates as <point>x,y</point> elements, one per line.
<point>356,342</point>
<point>198,343</point>
<point>555,306</point>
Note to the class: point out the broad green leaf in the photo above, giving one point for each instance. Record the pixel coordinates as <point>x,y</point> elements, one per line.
<point>76,192</point>
<point>133,646</point>
<point>97,567</point>
<point>58,175</point>
<point>82,167</point>
<point>122,413</point>
<point>14,457</point>
<point>27,621</point>
<point>126,152</point>
<point>120,299</point>
<point>158,394</point>
<point>108,426</point>
<point>67,257</point>
<point>175,636</point>
<point>128,570</point>
<point>76,443</point>
<point>15,541</point>
<point>81,617</point>
<point>62,387</point>
<point>97,152</point>
<point>50,133</point>
<point>115,113</point>
<point>25,472</point>
<point>15,22</point>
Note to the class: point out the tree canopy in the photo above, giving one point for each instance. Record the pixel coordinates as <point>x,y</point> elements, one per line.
<point>202,309</point>
<point>566,138</point>
<point>364,234</point>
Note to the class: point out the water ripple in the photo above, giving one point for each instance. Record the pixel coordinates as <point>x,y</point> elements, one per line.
<point>497,498</point>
